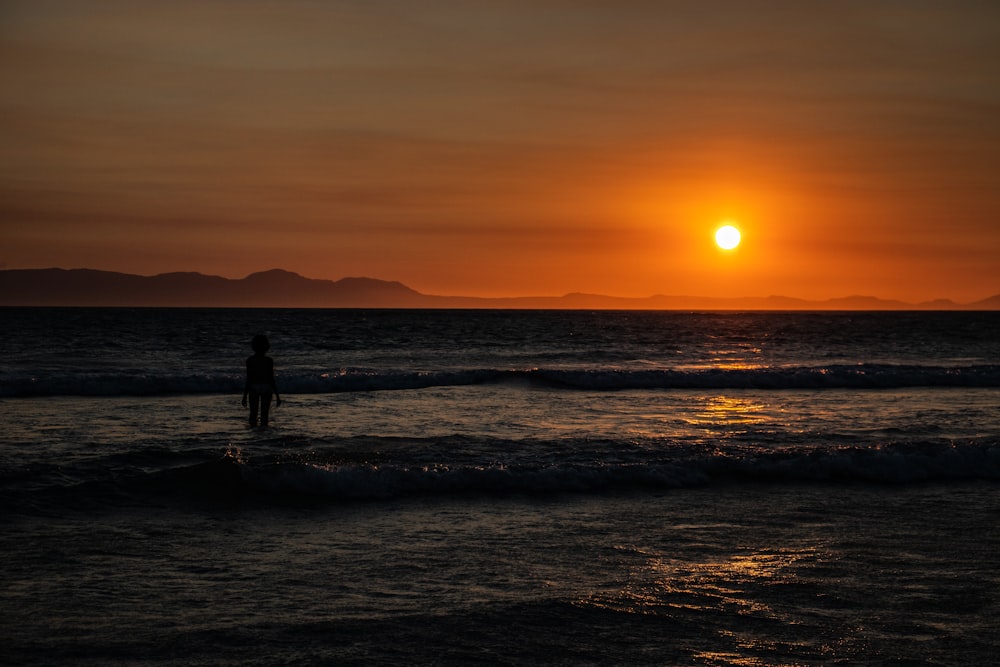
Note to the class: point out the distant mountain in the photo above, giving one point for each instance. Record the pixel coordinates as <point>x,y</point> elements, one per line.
<point>991,303</point>
<point>275,288</point>
<point>283,289</point>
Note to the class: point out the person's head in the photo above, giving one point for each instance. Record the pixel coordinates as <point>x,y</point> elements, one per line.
<point>260,344</point>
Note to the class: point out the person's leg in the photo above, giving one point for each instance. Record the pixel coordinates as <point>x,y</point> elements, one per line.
<point>254,403</point>
<point>265,407</point>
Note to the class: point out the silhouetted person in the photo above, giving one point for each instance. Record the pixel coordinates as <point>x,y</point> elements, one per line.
<point>260,381</point>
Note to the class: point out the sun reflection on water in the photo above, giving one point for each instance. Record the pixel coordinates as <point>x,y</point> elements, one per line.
<point>707,414</point>
<point>730,659</point>
<point>742,598</point>
<point>728,411</point>
<point>662,585</point>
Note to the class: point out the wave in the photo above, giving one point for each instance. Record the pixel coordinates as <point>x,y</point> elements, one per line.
<point>846,376</point>
<point>368,481</point>
<point>233,478</point>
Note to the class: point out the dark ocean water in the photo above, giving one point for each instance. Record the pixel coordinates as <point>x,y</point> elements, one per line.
<point>501,487</point>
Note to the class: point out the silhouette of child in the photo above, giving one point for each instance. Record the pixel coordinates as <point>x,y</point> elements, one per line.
<point>260,382</point>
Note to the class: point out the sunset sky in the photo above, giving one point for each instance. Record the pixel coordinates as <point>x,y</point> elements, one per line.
<point>510,147</point>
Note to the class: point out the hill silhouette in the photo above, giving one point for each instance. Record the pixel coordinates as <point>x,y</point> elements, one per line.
<point>275,288</point>
<point>278,288</point>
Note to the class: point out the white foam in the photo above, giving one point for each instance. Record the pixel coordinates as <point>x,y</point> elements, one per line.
<point>138,382</point>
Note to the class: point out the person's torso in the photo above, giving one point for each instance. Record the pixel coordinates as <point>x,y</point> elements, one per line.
<point>260,369</point>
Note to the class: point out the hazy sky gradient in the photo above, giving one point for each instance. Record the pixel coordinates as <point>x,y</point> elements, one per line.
<point>494,148</point>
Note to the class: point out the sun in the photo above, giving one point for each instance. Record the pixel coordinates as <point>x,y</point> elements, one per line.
<point>727,237</point>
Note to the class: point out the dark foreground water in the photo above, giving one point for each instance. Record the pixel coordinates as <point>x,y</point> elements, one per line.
<point>491,487</point>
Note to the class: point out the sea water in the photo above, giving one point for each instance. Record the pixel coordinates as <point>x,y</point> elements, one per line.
<point>500,487</point>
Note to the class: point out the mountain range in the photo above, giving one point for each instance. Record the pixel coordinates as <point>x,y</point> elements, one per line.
<point>283,289</point>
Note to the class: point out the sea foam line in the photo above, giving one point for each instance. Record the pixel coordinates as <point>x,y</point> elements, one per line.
<point>903,464</point>
<point>858,376</point>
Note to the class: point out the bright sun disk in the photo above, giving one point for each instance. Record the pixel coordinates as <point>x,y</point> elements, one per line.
<point>727,237</point>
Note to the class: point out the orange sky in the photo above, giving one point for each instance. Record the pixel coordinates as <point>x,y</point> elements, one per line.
<point>507,148</point>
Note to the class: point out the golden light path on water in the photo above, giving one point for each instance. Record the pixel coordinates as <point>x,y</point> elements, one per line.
<point>660,585</point>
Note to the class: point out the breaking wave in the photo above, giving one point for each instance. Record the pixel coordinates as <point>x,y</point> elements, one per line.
<point>137,382</point>
<point>280,480</point>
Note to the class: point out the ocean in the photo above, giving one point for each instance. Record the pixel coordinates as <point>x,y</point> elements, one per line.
<point>498,487</point>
